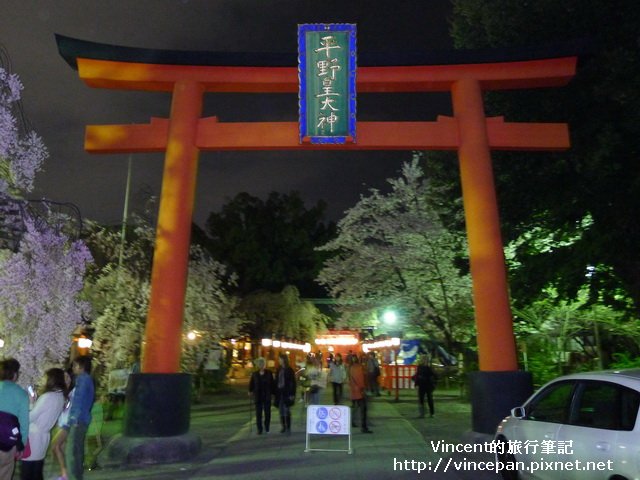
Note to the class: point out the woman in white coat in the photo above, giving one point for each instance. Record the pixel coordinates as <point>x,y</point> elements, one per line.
<point>42,417</point>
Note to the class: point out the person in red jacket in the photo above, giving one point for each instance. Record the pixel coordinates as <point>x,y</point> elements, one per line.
<point>358,387</point>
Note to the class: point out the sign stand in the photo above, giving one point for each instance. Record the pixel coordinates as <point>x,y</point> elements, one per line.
<point>328,420</point>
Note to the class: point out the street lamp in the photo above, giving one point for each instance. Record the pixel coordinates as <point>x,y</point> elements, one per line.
<point>84,342</point>
<point>390,317</point>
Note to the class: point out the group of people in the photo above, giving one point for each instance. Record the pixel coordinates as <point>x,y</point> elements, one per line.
<point>340,373</point>
<point>361,373</point>
<point>65,399</point>
<point>263,385</point>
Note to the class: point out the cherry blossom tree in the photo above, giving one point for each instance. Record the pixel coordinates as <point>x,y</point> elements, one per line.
<point>392,251</point>
<point>42,278</point>
<point>118,289</point>
<point>39,305</point>
<point>21,154</point>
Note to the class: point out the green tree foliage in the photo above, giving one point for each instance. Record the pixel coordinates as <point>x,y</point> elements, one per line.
<point>282,314</point>
<point>270,244</point>
<point>559,336</point>
<point>392,250</point>
<point>598,178</point>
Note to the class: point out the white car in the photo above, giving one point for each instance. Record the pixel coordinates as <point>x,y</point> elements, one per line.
<point>582,426</point>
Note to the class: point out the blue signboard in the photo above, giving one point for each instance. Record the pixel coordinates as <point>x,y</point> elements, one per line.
<point>327,82</point>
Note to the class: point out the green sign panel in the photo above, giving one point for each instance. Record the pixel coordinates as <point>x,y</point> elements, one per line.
<point>327,70</point>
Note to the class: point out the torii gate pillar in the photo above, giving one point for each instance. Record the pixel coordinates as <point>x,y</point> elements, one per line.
<point>171,257</point>
<point>490,298</point>
<point>498,370</point>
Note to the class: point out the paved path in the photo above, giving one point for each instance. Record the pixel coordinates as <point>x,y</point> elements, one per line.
<point>233,450</point>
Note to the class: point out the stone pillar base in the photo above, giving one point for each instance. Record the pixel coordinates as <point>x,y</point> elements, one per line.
<point>494,394</point>
<point>123,450</point>
<point>157,405</point>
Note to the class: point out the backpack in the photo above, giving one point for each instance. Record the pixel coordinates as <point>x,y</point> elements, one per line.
<point>10,432</point>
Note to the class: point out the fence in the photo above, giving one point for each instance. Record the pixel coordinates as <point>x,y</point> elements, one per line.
<point>398,377</point>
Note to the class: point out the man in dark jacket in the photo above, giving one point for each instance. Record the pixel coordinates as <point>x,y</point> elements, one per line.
<point>425,380</point>
<point>261,387</point>
<point>285,391</point>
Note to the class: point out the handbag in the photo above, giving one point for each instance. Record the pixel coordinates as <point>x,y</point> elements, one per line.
<point>10,432</point>
<point>26,453</point>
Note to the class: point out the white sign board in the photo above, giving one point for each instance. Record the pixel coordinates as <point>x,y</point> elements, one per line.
<point>214,359</point>
<point>117,382</point>
<point>328,420</point>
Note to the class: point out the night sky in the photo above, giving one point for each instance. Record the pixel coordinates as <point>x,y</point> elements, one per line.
<point>58,104</point>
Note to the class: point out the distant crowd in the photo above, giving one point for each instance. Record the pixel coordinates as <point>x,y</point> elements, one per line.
<point>361,373</point>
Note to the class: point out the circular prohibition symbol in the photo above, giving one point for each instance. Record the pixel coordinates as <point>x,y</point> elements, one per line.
<point>335,413</point>
<point>335,427</point>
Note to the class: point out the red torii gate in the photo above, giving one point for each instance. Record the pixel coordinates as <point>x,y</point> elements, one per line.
<point>185,133</point>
